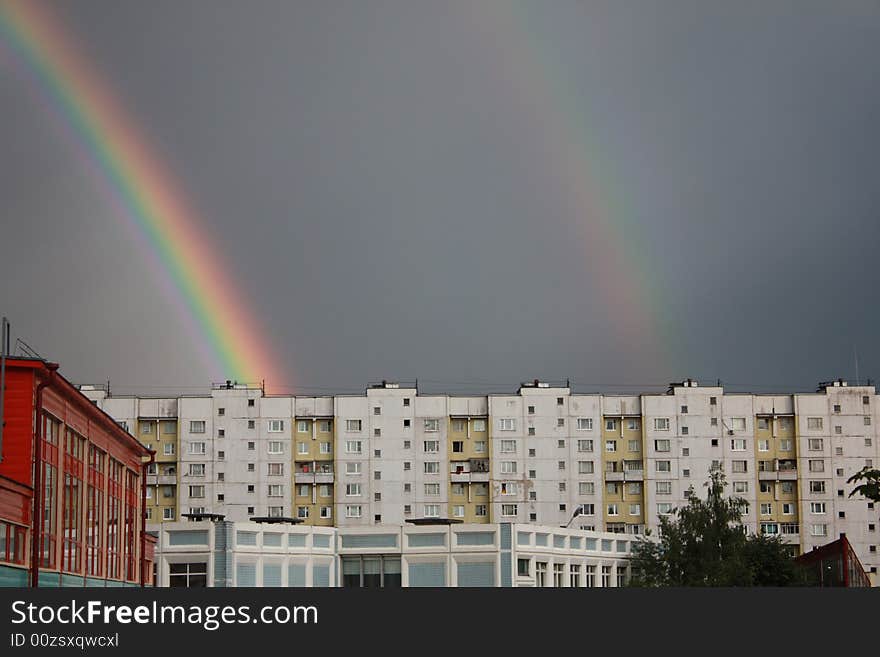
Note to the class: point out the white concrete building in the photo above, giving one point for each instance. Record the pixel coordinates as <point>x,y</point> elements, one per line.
<point>536,456</point>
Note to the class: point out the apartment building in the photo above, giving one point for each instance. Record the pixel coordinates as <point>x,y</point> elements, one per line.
<point>544,455</point>
<point>219,553</point>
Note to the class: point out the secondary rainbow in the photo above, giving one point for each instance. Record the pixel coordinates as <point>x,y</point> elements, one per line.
<point>224,329</point>
<point>600,205</point>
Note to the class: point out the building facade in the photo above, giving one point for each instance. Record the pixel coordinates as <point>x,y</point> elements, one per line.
<point>238,554</point>
<point>84,526</point>
<point>537,456</point>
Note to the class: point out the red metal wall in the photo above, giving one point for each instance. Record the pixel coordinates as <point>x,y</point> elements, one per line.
<point>18,436</point>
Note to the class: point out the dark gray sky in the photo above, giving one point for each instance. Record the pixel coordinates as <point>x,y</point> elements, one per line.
<point>387,182</point>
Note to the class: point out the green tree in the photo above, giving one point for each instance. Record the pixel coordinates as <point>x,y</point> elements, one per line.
<point>704,544</point>
<point>871,488</point>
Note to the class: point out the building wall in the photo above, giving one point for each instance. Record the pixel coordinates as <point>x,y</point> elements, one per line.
<point>547,456</point>
<point>494,555</point>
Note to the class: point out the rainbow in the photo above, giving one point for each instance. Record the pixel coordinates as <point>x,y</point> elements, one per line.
<point>617,259</point>
<point>143,194</point>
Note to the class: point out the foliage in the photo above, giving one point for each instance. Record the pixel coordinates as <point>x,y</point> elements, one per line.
<point>871,488</point>
<point>704,544</point>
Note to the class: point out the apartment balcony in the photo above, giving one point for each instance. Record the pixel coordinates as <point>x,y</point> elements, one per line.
<point>162,480</point>
<point>300,477</point>
<point>781,469</point>
<point>615,475</point>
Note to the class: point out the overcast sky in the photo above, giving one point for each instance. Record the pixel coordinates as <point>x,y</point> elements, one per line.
<point>386,180</point>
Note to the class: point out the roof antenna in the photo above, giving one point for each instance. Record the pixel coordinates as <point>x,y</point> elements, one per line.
<point>856,358</point>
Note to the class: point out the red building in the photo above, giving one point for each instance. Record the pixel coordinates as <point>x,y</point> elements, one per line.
<point>834,564</point>
<point>88,513</point>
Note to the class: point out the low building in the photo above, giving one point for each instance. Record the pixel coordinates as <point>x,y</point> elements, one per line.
<point>219,553</point>
<point>85,525</point>
<point>834,564</point>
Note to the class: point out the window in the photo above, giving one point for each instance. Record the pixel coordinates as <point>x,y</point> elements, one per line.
<point>713,422</point>
<point>560,443</point>
<point>221,455</point>
<point>815,444</point>
<point>531,410</point>
<point>522,567</point>
<point>188,575</point>
<point>738,444</point>
<point>740,487</point>
<point>560,422</point>
<point>352,490</point>
<point>325,490</point>
<point>482,510</point>
<point>664,508</point>
<point>585,424</point>
<point>197,469</point>
<point>432,445</point>
<point>432,467</point>
<point>867,420</point>
<point>303,490</point>
<point>817,508</point>
<point>353,511</point>
<point>585,467</point>
<point>585,445</point>
<point>661,445</point>
<point>252,424</point>
<point>325,448</point>
<point>406,424</point>
<point>302,512</point>
<point>353,425</point>
<point>508,467</point>
<point>507,424</point>
<point>635,509</point>
<point>432,489</point>
<point>252,445</point>
<point>196,491</point>
<point>377,410</point>
<point>632,424</point>
<point>763,423</point>
<point>353,447</point>
<point>787,509</point>
<point>819,530</point>
<point>353,468</point>
<point>785,444</point>
<point>610,445</point>
<point>277,447</point>
<point>663,487</point>
<point>838,429</point>
<point>763,445</point>
<point>432,425</point>
<point>146,428</point>
<point>612,509</point>
<point>586,488</point>
<point>168,449</point>
<point>479,425</point>
<point>458,446</point>
<point>661,424</point>
<point>766,508</point>
<point>508,510</point>
<point>480,446</point>
<point>250,488</point>
<point>814,423</point>
<point>685,451</point>
<point>740,466</point>
<point>508,445</point>
<point>816,465</point>
<point>197,448</point>
<point>610,425</point>
<point>663,466</point>
<point>634,445</point>
<point>459,426</point>
<point>302,426</point>
<point>221,433</point>
<point>221,411</point>
<point>276,426</point>
<point>560,465</point>
<point>250,467</point>
<point>276,490</point>
<point>738,423</point>
<point>432,511</point>
<point>167,513</point>
<point>458,511</point>
<point>611,488</point>
<point>588,509</point>
<point>531,431</point>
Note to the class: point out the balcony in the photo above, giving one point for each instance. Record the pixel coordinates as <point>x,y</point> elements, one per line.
<point>779,469</point>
